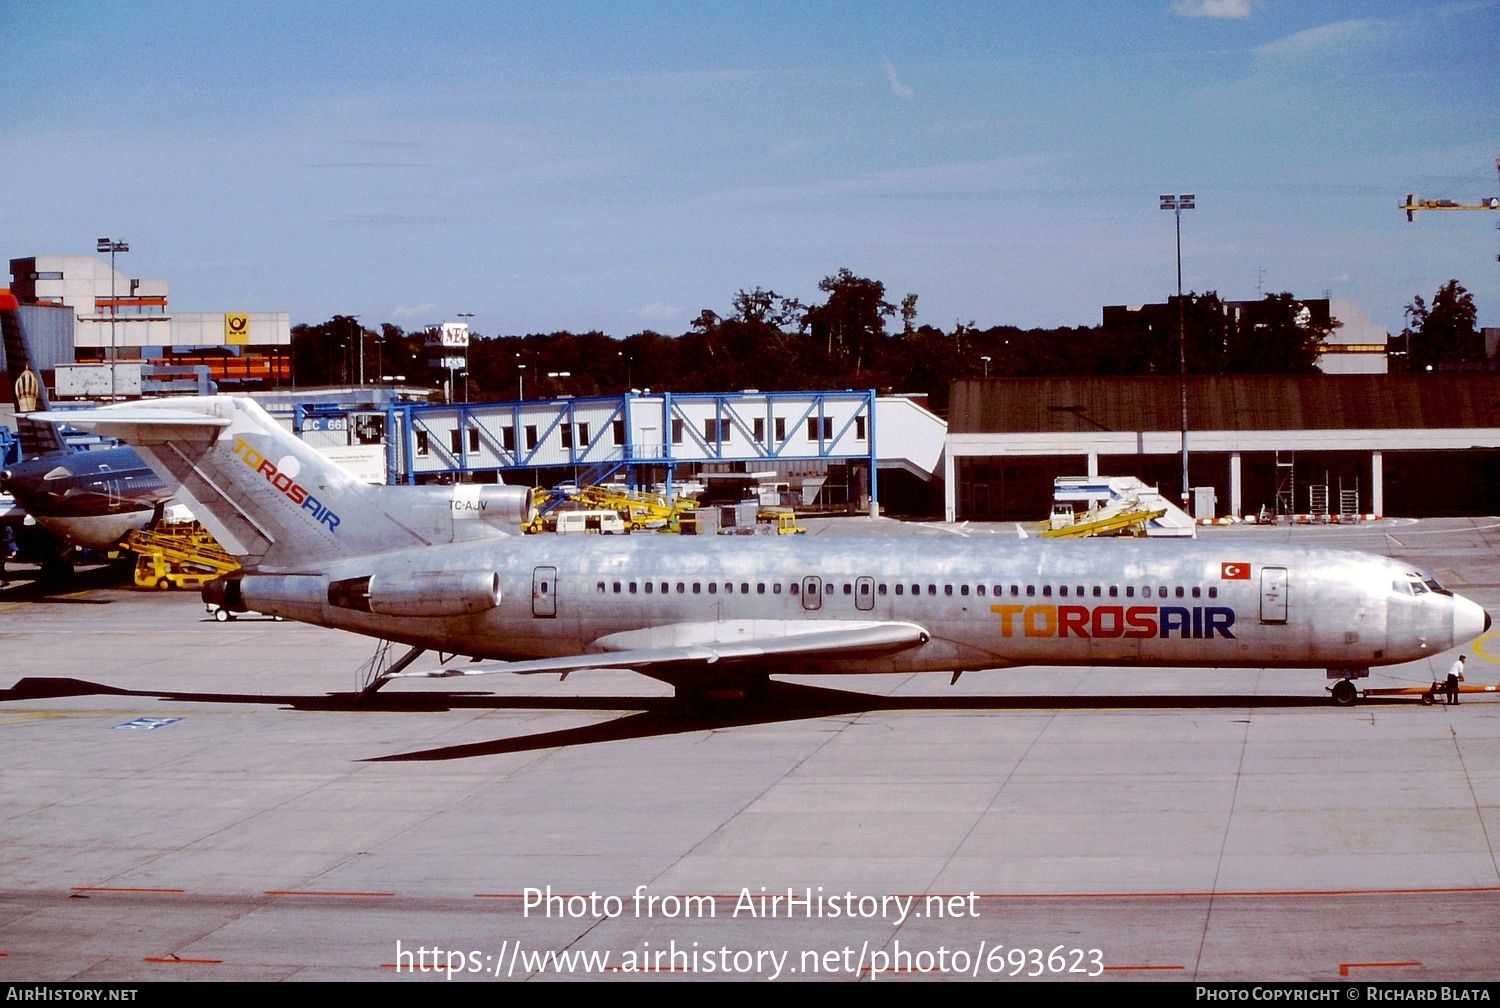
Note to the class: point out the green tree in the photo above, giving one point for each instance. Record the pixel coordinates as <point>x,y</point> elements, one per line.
<point>1442,335</point>
<point>1276,336</point>
<point>850,325</point>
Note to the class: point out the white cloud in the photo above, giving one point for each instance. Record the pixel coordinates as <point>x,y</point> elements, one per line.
<point>898,87</point>
<point>410,311</point>
<point>1213,8</point>
<point>1340,36</point>
<point>659,311</point>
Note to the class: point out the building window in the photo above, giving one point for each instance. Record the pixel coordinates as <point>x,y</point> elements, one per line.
<point>583,435</point>
<point>617,431</point>
<point>421,444</point>
<point>508,438</point>
<point>859,428</point>
<point>815,423</point>
<point>530,436</point>
<point>758,426</point>
<point>677,431</point>
<point>780,429</point>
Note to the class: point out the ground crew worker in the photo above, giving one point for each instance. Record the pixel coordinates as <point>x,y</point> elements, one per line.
<point>1455,676</point>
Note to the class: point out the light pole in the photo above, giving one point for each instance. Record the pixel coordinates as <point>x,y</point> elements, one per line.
<point>986,366</point>
<point>466,315</point>
<point>1177,204</point>
<point>112,246</point>
<point>521,382</point>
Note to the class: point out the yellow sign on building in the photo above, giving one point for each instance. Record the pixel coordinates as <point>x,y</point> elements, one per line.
<point>236,329</point>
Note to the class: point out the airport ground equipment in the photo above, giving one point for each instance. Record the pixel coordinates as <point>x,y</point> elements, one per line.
<point>1429,695</point>
<point>177,555</point>
<point>1115,505</point>
<point>639,508</point>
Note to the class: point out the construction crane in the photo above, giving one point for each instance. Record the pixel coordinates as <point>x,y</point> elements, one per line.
<point>1412,204</point>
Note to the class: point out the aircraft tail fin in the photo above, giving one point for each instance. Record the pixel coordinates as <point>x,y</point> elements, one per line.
<point>272,500</point>
<point>28,391</point>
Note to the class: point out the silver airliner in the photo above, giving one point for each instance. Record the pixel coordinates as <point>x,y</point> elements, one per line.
<point>444,569</point>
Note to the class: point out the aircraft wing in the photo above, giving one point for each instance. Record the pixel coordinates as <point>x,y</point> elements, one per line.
<point>708,644</point>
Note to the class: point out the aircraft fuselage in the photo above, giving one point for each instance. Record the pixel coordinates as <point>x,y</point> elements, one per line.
<point>986,603</point>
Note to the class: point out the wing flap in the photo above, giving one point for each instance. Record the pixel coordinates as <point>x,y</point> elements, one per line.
<point>844,639</point>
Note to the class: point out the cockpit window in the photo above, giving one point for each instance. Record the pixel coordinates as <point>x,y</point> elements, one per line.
<point>1401,587</point>
<point>1434,586</point>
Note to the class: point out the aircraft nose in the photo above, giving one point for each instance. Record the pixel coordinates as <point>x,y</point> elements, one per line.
<point>1469,619</point>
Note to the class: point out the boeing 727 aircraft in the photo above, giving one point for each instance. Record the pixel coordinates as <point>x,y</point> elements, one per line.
<point>441,569</point>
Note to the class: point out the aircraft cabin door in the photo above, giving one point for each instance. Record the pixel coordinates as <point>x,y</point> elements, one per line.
<point>544,592</point>
<point>812,593</point>
<point>1273,590</point>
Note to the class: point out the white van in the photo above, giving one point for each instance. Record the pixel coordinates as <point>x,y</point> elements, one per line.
<point>591,523</point>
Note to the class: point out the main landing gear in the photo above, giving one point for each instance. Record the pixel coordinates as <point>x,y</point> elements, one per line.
<point>1344,692</point>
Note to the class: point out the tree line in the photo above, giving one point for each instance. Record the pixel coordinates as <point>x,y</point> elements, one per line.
<point>858,338</point>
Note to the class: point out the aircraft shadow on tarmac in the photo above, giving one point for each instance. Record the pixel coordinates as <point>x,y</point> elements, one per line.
<point>654,716</point>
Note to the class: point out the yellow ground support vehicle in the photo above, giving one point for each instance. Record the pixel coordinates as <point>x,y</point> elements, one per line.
<point>177,555</point>
<point>782,520</point>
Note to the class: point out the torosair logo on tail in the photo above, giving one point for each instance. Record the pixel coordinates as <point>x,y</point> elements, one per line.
<point>284,481</point>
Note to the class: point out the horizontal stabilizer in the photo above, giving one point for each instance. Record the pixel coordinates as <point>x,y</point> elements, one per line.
<point>132,423</point>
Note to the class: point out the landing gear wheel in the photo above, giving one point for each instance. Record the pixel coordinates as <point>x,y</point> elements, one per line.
<point>1344,693</point>
<point>223,615</point>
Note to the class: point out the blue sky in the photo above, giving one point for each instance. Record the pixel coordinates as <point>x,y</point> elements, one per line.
<point>623,166</point>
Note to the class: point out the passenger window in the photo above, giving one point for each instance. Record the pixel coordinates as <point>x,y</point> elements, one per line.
<point>1179,592</point>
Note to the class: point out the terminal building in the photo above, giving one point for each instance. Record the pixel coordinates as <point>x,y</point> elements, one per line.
<point>1320,446</point>
<point>109,335</point>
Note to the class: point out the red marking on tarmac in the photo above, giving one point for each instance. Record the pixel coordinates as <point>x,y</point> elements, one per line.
<point>178,961</point>
<point>132,889</point>
<point>1344,968</point>
<point>323,892</point>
